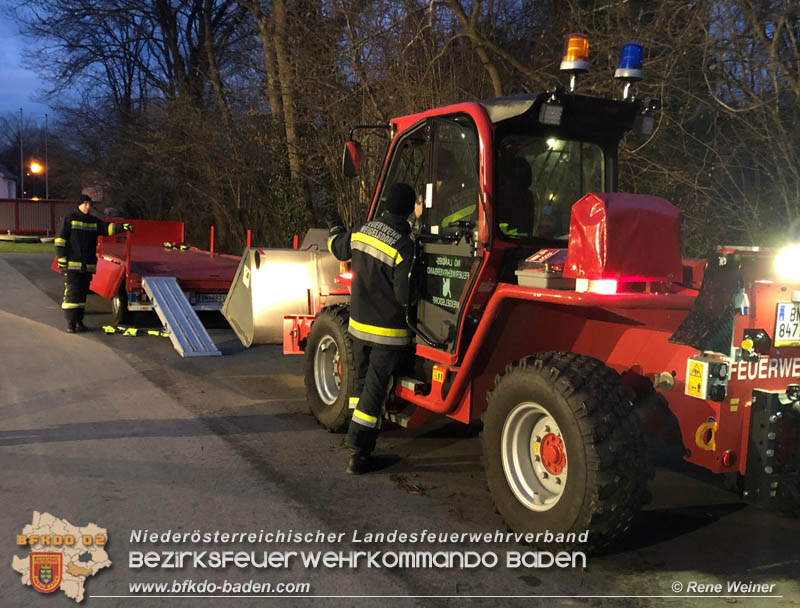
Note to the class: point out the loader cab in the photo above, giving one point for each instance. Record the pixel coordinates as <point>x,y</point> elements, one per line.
<point>559,148</point>
<point>532,166</point>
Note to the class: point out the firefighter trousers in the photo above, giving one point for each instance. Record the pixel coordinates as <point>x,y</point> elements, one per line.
<point>376,367</point>
<point>76,288</point>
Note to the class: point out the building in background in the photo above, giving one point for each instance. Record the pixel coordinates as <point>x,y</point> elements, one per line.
<point>8,183</point>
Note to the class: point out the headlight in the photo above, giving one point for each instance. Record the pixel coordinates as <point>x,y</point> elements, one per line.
<point>787,265</point>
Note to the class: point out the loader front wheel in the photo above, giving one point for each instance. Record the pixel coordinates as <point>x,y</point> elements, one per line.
<point>330,374</point>
<point>562,451</point>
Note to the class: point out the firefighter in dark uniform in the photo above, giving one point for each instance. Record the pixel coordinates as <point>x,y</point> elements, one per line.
<point>76,245</point>
<point>381,252</point>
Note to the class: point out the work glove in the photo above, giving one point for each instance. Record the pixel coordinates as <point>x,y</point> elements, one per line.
<point>127,227</point>
<point>62,263</point>
<point>333,219</point>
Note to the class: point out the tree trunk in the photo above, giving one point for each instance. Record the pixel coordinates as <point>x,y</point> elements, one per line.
<point>286,82</point>
<point>482,44</point>
<point>265,35</point>
<point>213,69</point>
<point>469,25</point>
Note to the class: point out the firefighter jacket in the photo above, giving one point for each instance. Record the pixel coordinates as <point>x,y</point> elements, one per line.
<point>381,253</point>
<point>76,240</point>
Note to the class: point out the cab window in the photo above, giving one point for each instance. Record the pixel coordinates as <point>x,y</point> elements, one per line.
<point>538,180</point>
<point>407,166</point>
<point>454,187</point>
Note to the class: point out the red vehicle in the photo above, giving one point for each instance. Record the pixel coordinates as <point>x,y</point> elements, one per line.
<point>574,332</point>
<point>156,248</point>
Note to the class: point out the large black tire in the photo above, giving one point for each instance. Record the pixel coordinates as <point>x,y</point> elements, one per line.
<point>119,307</point>
<point>562,450</point>
<point>330,372</point>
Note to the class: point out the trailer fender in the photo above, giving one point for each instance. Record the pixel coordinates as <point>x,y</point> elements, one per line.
<point>108,278</point>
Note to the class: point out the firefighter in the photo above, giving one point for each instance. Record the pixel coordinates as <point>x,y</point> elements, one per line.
<point>76,245</point>
<point>381,252</point>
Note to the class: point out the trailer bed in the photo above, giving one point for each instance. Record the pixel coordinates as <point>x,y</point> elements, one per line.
<point>193,268</point>
<point>157,249</point>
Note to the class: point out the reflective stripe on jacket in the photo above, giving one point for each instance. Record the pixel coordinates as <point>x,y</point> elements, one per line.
<point>76,240</point>
<point>381,253</point>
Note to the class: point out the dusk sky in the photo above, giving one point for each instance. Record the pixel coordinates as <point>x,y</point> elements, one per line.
<point>18,86</point>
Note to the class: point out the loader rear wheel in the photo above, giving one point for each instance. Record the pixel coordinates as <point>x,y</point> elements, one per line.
<point>330,374</point>
<point>119,307</point>
<point>562,450</point>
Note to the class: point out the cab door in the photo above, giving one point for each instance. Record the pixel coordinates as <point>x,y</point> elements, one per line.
<point>447,263</point>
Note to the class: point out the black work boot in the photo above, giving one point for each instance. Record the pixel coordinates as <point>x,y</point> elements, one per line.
<point>79,326</point>
<point>359,463</point>
<point>70,328</point>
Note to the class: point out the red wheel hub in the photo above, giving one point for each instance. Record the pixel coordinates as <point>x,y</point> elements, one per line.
<point>552,453</point>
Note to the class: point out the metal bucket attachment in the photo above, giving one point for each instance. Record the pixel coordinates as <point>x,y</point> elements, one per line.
<point>271,283</point>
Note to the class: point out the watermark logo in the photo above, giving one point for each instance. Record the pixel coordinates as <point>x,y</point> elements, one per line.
<point>46,570</point>
<point>62,555</point>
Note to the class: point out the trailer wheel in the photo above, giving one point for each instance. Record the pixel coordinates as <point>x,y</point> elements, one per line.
<point>330,374</point>
<point>119,307</point>
<point>562,450</point>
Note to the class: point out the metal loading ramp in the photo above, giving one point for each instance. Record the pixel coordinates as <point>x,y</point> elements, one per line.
<point>186,332</point>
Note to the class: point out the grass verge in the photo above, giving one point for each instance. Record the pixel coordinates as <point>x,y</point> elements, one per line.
<point>12,247</point>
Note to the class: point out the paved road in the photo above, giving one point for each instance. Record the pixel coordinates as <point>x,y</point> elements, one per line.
<point>124,433</point>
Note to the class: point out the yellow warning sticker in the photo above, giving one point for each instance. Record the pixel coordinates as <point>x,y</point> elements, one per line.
<point>438,375</point>
<point>696,378</point>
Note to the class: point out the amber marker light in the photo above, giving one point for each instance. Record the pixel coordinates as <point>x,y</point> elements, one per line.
<point>576,54</point>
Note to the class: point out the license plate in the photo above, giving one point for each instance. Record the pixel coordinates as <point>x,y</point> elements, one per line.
<point>203,298</point>
<point>787,324</point>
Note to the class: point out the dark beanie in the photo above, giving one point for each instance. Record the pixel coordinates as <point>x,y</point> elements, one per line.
<point>400,199</point>
<point>85,198</point>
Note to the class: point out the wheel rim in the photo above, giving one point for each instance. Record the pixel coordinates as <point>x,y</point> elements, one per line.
<point>327,370</point>
<point>534,456</point>
<point>116,305</point>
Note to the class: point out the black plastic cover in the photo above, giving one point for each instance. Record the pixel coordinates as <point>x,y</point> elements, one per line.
<point>709,324</point>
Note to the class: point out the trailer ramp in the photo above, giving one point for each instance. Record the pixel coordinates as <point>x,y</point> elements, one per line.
<point>186,332</point>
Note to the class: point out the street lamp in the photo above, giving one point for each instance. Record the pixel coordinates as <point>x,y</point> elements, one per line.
<point>36,168</point>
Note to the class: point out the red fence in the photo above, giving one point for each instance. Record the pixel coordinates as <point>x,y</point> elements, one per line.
<point>24,216</point>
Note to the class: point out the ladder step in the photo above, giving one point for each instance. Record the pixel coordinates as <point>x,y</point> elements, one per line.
<point>412,384</point>
<point>411,417</point>
<point>186,332</point>
<point>401,418</point>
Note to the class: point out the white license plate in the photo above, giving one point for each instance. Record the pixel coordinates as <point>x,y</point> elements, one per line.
<point>787,324</point>
<point>203,298</point>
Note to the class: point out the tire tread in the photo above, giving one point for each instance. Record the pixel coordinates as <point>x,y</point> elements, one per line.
<point>616,452</point>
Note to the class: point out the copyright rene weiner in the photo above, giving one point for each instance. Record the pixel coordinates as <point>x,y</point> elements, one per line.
<point>731,587</point>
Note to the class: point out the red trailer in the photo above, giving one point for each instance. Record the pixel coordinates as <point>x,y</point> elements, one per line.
<point>157,249</point>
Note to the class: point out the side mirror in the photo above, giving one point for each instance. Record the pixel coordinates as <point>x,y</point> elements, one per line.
<point>351,159</point>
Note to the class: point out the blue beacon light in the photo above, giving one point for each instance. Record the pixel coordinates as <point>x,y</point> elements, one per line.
<point>629,66</point>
